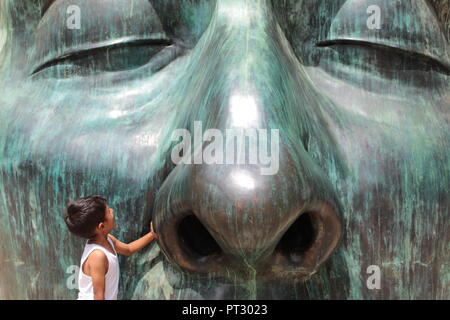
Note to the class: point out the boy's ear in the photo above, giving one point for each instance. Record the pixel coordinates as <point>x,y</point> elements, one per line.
<point>101,226</point>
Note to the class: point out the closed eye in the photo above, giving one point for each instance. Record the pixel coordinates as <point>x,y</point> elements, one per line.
<point>414,60</point>
<point>116,55</point>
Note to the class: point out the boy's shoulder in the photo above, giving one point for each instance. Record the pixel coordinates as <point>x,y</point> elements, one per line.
<point>97,259</point>
<point>97,254</point>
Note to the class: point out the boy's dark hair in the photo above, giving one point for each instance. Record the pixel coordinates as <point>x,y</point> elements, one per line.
<point>83,215</point>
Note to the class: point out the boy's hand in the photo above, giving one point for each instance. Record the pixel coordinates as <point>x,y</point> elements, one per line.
<point>155,235</point>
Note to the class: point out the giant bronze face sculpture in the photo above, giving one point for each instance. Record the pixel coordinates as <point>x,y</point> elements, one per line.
<point>92,92</point>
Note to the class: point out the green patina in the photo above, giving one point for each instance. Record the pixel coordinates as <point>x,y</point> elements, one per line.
<point>363,125</point>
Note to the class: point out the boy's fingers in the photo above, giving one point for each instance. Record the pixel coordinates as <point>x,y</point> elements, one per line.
<point>151,229</point>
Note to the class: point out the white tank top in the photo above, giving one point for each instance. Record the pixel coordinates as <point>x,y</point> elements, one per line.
<point>86,290</point>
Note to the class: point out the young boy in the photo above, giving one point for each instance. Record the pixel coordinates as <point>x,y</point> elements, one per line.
<point>91,218</point>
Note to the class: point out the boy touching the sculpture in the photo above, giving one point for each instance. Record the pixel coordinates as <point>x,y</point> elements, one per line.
<point>91,218</point>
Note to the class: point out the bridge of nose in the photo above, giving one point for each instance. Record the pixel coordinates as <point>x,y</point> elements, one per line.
<point>243,74</point>
<point>232,69</point>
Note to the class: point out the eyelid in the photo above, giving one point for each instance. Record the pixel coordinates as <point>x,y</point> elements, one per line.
<point>86,49</point>
<point>349,41</point>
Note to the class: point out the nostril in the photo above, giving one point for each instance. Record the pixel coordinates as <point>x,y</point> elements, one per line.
<point>299,237</point>
<point>195,239</point>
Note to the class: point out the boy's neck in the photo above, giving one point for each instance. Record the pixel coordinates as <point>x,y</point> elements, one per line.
<point>99,239</point>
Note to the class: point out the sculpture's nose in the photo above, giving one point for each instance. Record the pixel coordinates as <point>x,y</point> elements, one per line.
<point>222,220</point>
<point>276,215</point>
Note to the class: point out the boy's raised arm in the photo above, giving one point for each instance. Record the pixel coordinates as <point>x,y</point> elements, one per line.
<point>121,248</point>
<point>130,248</point>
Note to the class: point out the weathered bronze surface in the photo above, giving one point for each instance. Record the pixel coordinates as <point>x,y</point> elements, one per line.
<point>363,120</point>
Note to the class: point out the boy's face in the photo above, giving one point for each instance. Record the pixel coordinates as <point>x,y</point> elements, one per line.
<point>109,222</point>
